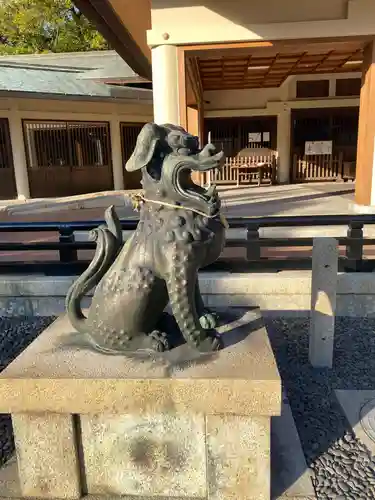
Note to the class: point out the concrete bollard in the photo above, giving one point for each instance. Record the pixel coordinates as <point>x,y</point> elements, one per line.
<point>323,301</point>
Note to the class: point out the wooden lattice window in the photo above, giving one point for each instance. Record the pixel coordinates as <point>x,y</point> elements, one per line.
<point>72,144</point>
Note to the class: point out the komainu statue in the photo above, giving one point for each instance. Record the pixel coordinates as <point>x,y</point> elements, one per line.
<point>180,230</point>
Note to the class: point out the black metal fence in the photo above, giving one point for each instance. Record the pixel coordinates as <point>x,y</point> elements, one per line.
<point>355,257</point>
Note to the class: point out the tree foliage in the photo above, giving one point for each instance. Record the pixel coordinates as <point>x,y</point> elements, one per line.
<point>38,26</point>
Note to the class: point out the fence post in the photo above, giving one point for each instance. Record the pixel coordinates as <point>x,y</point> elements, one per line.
<point>252,243</point>
<point>66,235</point>
<point>294,169</point>
<point>323,301</point>
<point>354,249</point>
<point>274,174</point>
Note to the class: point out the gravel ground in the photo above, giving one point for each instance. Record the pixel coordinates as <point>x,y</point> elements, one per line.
<point>342,466</point>
<point>15,335</point>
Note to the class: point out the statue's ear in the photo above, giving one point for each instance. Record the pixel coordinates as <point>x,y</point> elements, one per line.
<point>144,150</point>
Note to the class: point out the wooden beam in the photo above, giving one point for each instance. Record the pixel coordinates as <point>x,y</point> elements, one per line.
<point>105,19</point>
<point>269,69</point>
<point>226,46</point>
<point>200,100</point>
<point>323,60</point>
<point>214,58</point>
<point>191,80</point>
<point>246,69</point>
<point>193,72</point>
<point>357,54</point>
<point>295,65</point>
<point>272,48</point>
<point>332,42</point>
<point>365,169</point>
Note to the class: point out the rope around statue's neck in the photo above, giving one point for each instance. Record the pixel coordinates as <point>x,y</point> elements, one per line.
<point>138,199</point>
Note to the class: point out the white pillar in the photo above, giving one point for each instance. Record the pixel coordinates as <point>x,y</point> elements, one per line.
<point>323,301</point>
<point>19,156</point>
<point>165,84</point>
<point>283,146</point>
<point>117,162</point>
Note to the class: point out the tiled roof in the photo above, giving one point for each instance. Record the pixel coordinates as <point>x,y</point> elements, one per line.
<point>43,75</point>
<point>75,60</point>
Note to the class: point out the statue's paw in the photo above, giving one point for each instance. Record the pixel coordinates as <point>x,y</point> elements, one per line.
<point>212,342</point>
<point>209,320</point>
<point>159,341</point>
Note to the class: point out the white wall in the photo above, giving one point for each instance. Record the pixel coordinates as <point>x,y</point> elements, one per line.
<point>241,99</point>
<point>257,102</point>
<point>45,109</point>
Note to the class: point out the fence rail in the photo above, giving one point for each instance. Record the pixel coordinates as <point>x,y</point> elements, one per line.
<point>308,168</point>
<point>68,261</point>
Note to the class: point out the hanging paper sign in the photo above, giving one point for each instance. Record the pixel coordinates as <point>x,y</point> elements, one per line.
<point>266,137</point>
<point>318,148</point>
<point>255,137</point>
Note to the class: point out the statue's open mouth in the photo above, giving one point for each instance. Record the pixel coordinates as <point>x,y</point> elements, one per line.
<point>187,187</point>
<point>206,160</point>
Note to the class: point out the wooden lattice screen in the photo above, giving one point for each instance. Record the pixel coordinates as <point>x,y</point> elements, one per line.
<point>68,157</point>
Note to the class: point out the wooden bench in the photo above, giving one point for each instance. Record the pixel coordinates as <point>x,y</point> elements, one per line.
<point>245,172</point>
<point>259,163</point>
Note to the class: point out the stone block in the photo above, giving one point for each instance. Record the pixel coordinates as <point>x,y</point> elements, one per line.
<point>238,452</point>
<point>269,304</point>
<point>323,301</point>
<point>291,478</point>
<point>62,374</point>
<point>46,454</point>
<point>161,455</point>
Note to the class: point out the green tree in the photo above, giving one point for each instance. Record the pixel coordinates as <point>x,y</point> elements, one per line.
<point>38,26</point>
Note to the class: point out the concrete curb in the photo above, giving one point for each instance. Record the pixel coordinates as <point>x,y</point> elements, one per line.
<point>287,293</point>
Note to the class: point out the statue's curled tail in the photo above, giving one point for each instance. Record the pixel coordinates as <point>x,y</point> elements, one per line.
<point>108,243</point>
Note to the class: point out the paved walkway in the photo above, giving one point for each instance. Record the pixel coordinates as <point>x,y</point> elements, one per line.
<point>302,199</point>
<point>298,199</point>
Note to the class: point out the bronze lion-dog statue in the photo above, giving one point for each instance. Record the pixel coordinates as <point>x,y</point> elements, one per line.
<point>180,230</point>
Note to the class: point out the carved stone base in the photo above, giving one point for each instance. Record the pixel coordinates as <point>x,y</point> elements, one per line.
<point>177,424</point>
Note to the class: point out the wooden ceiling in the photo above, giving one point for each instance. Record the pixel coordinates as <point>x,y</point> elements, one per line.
<point>262,70</point>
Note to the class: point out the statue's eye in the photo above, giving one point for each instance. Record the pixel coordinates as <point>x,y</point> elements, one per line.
<point>174,140</point>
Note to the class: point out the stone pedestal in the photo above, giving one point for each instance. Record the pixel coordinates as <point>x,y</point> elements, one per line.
<point>178,424</point>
